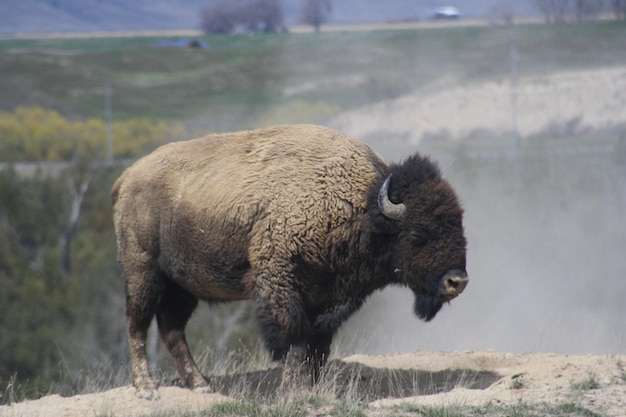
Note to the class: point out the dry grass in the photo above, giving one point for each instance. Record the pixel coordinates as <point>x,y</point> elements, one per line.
<point>246,386</point>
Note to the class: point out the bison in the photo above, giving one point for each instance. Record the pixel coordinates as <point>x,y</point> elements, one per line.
<point>304,220</point>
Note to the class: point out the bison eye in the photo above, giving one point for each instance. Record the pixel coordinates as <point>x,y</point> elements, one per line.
<point>419,236</point>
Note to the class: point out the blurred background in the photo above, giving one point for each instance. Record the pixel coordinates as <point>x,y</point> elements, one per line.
<point>523,104</point>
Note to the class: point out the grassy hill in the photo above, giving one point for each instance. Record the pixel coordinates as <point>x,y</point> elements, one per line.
<point>243,81</point>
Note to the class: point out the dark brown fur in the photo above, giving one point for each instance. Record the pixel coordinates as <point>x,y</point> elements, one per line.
<point>288,217</point>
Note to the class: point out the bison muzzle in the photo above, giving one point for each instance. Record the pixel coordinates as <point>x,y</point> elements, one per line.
<point>301,219</point>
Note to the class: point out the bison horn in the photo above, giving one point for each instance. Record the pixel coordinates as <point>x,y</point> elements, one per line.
<point>389,209</point>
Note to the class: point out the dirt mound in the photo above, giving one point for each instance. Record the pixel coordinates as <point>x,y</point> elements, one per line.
<point>593,98</point>
<point>597,383</point>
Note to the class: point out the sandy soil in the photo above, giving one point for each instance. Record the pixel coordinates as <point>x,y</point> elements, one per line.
<point>592,98</point>
<point>423,378</point>
<point>532,378</point>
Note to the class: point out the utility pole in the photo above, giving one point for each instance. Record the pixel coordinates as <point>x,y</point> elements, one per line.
<point>109,124</point>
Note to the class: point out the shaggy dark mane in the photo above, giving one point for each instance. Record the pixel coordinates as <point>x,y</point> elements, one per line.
<point>414,169</point>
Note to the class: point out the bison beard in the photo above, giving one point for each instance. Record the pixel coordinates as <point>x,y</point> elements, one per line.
<point>426,306</point>
<point>301,219</point>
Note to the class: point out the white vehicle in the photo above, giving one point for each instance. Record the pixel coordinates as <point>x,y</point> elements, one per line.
<point>447,12</point>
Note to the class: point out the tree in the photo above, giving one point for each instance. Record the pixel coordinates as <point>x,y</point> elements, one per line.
<point>229,16</point>
<point>36,134</point>
<point>554,11</point>
<point>315,12</point>
<point>220,17</point>
<point>503,11</point>
<point>36,303</point>
<point>587,9</point>
<point>619,8</point>
<point>79,176</point>
<point>58,317</point>
<point>264,16</point>
<point>61,299</point>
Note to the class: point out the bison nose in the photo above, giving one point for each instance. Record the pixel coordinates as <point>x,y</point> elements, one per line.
<point>453,283</point>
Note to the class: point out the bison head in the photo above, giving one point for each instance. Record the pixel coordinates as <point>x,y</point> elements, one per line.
<point>421,213</point>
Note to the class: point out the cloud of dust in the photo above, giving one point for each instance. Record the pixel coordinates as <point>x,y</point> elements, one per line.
<point>546,242</point>
<point>547,270</point>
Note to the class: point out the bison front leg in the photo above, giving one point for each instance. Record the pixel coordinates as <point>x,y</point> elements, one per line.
<point>324,328</point>
<point>288,349</point>
<point>318,350</point>
<point>303,364</point>
<point>274,283</point>
<point>284,326</point>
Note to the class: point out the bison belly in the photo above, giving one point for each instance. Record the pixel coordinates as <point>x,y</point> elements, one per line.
<point>207,259</point>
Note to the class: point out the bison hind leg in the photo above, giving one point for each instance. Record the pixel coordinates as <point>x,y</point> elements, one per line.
<point>144,286</point>
<point>173,312</point>
<point>138,334</point>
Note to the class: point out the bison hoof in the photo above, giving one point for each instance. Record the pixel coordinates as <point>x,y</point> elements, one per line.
<point>150,394</point>
<point>203,390</point>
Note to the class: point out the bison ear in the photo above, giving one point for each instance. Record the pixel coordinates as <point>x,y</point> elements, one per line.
<point>393,211</point>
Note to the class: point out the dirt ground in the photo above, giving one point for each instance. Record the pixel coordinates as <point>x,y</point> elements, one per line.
<point>597,383</point>
<point>532,378</point>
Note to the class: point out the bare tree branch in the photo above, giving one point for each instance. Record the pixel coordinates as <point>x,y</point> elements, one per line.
<point>76,195</point>
<point>315,12</point>
<point>229,16</point>
<point>587,9</point>
<point>619,8</point>
<point>554,11</point>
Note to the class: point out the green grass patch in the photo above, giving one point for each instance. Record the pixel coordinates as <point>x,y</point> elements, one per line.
<point>575,410</point>
<point>235,408</point>
<point>520,409</point>
<point>297,408</point>
<point>587,384</point>
<point>346,409</point>
<point>243,81</point>
<point>441,411</point>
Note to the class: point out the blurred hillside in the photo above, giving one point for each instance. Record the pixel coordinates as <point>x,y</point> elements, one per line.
<point>32,16</point>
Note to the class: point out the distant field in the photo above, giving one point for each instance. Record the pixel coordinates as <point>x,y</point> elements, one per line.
<point>392,25</point>
<point>246,81</point>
